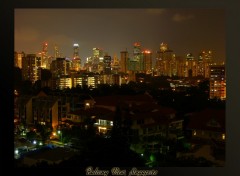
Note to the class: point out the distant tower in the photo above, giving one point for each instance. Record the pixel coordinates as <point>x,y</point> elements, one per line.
<point>107,64</point>
<point>136,49</point>
<point>190,66</point>
<point>56,52</point>
<point>44,55</point>
<point>204,63</point>
<point>165,61</point>
<point>124,61</point>
<point>115,65</point>
<point>76,59</point>
<point>75,50</point>
<point>96,64</point>
<point>18,59</point>
<point>60,67</point>
<point>147,61</point>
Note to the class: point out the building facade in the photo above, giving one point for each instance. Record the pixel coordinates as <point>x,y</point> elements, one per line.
<point>31,67</point>
<point>217,82</point>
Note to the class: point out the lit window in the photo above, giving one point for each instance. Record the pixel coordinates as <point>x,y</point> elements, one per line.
<point>223,136</point>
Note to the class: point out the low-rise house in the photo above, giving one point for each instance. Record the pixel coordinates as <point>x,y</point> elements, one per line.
<point>150,118</point>
<point>208,124</point>
<point>24,108</point>
<point>101,118</point>
<point>45,110</point>
<point>153,124</point>
<point>50,108</point>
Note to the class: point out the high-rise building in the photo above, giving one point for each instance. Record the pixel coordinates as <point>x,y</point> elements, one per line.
<point>76,61</point>
<point>107,64</point>
<point>56,52</point>
<point>124,61</point>
<point>190,66</point>
<point>101,65</point>
<point>165,61</point>
<point>44,55</point>
<point>115,65</point>
<point>18,59</point>
<point>136,49</point>
<point>137,62</point>
<point>181,67</point>
<point>147,61</point>
<point>97,52</point>
<point>89,64</point>
<point>205,60</point>
<point>75,50</point>
<point>60,67</point>
<point>97,60</point>
<point>31,67</point>
<point>217,82</point>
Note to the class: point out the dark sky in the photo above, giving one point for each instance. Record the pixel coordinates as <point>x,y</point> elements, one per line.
<point>184,30</point>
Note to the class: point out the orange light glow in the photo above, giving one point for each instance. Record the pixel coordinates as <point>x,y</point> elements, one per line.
<point>147,51</point>
<point>136,44</point>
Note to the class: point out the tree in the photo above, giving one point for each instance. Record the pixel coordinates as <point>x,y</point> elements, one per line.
<point>31,135</point>
<point>45,131</point>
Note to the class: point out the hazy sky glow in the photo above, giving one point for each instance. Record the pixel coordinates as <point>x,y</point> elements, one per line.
<point>114,30</point>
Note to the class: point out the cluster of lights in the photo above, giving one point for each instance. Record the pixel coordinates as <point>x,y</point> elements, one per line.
<point>147,51</point>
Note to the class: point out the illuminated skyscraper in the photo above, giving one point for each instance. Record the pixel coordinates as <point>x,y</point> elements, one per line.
<point>190,66</point>
<point>124,61</point>
<point>136,63</point>
<point>181,66</point>
<point>76,50</point>
<point>88,64</point>
<point>97,52</point>
<point>31,67</point>
<point>44,55</point>
<point>136,49</point>
<point>56,52</point>
<point>76,62</point>
<point>115,65</point>
<point>205,60</point>
<point>107,64</point>
<point>97,66</point>
<point>60,67</point>
<point>217,82</point>
<point>147,61</point>
<point>165,61</point>
<point>18,59</point>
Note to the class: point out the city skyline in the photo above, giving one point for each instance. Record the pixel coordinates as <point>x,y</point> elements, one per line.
<point>115,30</point>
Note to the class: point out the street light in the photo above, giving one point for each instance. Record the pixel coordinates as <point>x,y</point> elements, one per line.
<point>60,133</point>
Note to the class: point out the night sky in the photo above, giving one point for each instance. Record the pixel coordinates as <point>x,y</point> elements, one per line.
<point>115,30</point>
